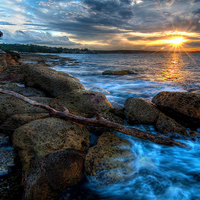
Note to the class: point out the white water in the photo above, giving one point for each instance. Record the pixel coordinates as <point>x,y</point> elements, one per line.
<point>169,173</point>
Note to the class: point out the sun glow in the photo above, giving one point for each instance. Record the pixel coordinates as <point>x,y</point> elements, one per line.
<point>176,41</point>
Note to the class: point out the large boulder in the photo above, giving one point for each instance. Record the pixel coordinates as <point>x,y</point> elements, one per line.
<point>53,82</point>
<point>138,111</point>
<point>44,136</point>
<point>8,61</point>
<point>10,105</point>
<point>110,161</point>
<point>84,103</point>
<point>168,126</point>
<point>26,91</point>
<point>30,92</point>
<point>15,121</point>
<point>182,106</point>
<point>53,173</point>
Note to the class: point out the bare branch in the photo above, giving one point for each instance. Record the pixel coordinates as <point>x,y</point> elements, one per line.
<point>65,110</point>
<point>100,121</point>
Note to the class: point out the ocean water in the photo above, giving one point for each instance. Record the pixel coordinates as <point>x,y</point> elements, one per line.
<point>155,73</point>
<point>162,173</point>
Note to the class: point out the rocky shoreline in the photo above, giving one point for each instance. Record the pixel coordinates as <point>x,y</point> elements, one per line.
<point>52,155</point>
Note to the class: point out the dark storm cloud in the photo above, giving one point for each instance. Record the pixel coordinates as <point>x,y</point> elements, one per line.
<point>193,44</point>
<point>197,12</point>
<point>33,37</point>
<point>104,20</point>
<point>143,17</point>
<point>133,38</point>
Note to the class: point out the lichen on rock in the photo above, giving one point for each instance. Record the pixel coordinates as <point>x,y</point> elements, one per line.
<point>138,111</point>
<point>84,103</point>
<point>44,136</point>
<point>53,82</point>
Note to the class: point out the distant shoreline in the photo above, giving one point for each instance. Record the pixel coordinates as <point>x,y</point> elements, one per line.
<point>32,48</point>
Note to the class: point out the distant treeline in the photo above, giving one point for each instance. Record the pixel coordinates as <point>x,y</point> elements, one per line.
<point>40,49</point>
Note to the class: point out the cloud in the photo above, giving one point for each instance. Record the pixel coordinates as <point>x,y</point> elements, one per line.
<point>34,37</point>
<point>134,38</point>
<point>6,23</point>
<point>195,44</point>
<point>104,21</point>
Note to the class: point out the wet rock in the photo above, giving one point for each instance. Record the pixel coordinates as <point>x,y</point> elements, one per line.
<point>18,120</point>
<point>168,126</point>
<point>53,173</point>
<point>9,86</point>
<point>84,103</point>
<point>110,161</point>
<point>120,72</point>
<point>10,171</point>
<point>44,136</point>
<point>7,61</point>
<point>118,112</point>
<point>138,111</point>
<point>10,185</point>
<point>26,91</point>
<point>47,60</point>
<point>30,92</point>
<point>184,107</point>
<point>14,76</point>
<point>2,52</point>
<point>110,117</point>
<point>53,82</point>
<point>7,156</point>
<point>98,89</point>
<point>3,63</point>
<point>14,54</point>
<point>10,105</point>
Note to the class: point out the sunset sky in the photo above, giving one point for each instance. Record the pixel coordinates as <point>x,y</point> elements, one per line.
<point>103,24</point>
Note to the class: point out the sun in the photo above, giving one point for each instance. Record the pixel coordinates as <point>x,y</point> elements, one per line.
<point>176,41</point>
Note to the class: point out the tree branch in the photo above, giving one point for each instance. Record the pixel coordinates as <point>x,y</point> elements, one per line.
<point>100,121</point>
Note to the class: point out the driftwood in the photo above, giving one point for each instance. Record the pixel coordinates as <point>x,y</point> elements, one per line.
<point>100,122</point>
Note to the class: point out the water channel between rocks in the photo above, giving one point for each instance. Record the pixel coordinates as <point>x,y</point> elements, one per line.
<point>161,172</point>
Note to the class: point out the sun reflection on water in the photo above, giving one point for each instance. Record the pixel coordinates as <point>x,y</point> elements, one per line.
<point>173,70</point>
